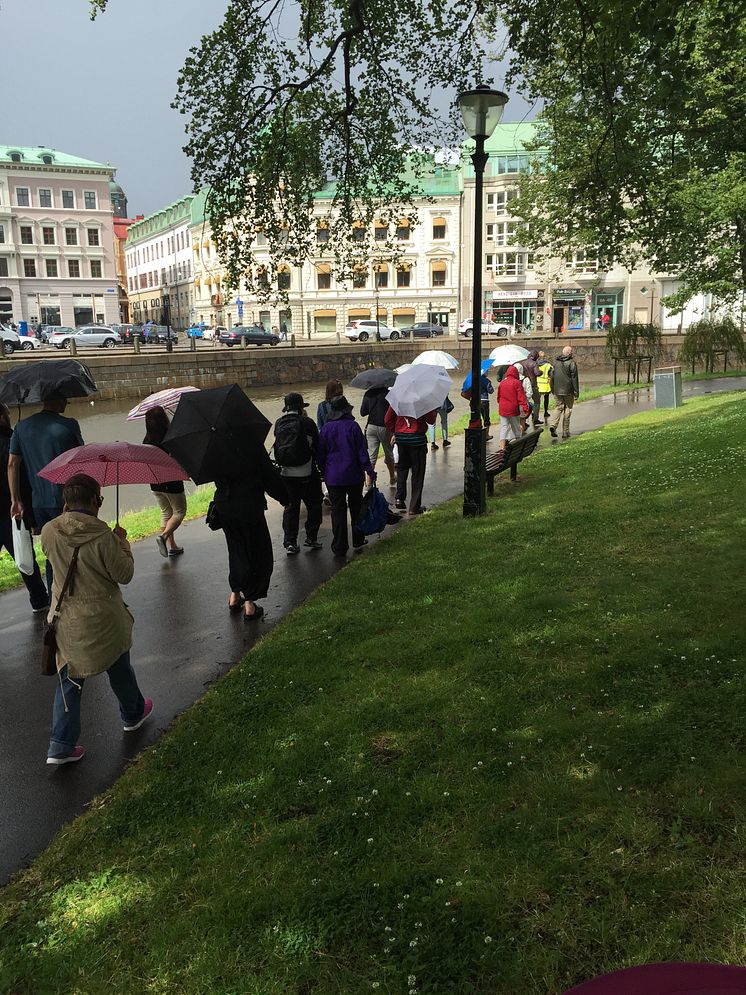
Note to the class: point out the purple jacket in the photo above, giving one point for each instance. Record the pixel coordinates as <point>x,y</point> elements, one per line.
<point>343,454</point>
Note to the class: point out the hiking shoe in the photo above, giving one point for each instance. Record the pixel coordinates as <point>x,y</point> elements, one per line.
<point>419,511</point>
<point>40,609</point>
<point>146,713</point>
<point>161,544</point>
<point>446,443</point>
<point>553,432</point>
<point>77,754</point>
<point>401,506</point>
<point>313,544</point>
<point>291,548</point>
<point>176,551</point>
<point>433,447</point>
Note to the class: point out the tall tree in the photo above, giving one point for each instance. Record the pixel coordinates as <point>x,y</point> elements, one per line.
<point>642,134</point>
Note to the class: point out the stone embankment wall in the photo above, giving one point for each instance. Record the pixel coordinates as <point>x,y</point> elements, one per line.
<point>120,373</point>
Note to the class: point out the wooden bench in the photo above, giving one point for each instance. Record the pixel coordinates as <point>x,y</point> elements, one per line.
<point>510,457</point>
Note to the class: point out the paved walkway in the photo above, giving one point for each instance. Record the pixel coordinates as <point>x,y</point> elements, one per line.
<point>184,640</point>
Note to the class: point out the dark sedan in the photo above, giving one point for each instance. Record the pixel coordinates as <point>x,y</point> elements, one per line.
<point>422,330</point>
<point>157,333</point>
<point>250,334</point>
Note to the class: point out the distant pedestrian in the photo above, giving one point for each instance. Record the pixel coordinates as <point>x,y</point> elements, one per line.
<point>240,504</point>
<point>35,442</point>
<point>283,331</point>
<point>531,370</point>
<point>334,389</point>
<point>566,391</point>
<point>170,496</point>
<point>485,389</point>
<point>344,460</point>
<point>544,381</point>
<point>94,627</point>
<point>411,443</point>
<point>511,401</point>
<point>377,436</point>
<point>296,448</point>
<point>37,592</point>
<point>528,391</point>
<point>443,412</point>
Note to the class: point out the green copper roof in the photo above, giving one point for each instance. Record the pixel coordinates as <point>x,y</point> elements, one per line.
<point>161,220</point>
<point>511,137</point>
<point>34,157</point>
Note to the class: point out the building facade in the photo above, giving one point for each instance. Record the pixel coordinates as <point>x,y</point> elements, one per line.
<point>159,267</point>
<point>57,256</point>
<point>420,283</point>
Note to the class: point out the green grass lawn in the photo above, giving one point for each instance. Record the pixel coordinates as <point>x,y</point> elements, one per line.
<point>493,756</point>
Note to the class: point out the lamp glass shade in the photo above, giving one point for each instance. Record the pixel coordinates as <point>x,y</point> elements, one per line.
<point>481,110</point>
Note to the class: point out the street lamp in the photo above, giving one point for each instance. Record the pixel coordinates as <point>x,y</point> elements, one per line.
<point>481,110</point>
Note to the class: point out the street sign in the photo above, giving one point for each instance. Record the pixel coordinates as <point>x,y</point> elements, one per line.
<point>239,305</point>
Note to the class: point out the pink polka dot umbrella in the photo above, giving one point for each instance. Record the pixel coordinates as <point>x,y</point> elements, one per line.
<point>115,463</point>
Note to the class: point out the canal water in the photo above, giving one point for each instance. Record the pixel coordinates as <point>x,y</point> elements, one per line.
<point>106,421</point>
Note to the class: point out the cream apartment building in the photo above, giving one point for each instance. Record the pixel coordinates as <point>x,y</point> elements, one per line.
<point>57,261</point>
<point>555,295</point>
<point>159,266</point>
<point>419,284</point>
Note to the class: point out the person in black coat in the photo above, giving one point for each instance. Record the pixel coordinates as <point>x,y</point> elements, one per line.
<point>35,586</point>
<point>240,504</point>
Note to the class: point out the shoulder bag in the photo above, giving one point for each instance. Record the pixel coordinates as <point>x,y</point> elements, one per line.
<point>49,639</point>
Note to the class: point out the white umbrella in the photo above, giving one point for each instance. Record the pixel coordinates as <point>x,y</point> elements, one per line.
<point>419,390</point>
<point>504,355</point>
<point>435,357</point>
<point>403,367</point>
<point>167,399</point>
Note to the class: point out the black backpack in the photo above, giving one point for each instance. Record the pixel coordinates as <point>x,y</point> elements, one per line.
<point>291,441</point>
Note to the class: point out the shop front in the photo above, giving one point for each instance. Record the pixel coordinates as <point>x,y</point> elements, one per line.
<point>325,321</point>
<point>401,317</point>
<point>607,309</point>
<point>524,309</point>
<point>570,309</point>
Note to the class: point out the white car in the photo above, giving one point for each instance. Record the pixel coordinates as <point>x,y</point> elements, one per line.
<point>13,342</point>
<point>89,335</point>
<point>497,328</point>
<point>366,328</point>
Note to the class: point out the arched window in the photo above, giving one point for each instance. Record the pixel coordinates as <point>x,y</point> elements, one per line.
<point>438,272</point>
<point>439,229</point>
<point>380,231</point>
<point>403,231</point>
<point>283,278</point>
<point>381,274</point>
<point>323,276</point>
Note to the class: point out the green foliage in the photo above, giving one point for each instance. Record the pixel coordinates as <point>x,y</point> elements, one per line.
<point>705,339</point>
<point>643,106</point>
<point>415,782</point>
<point>632,339</point>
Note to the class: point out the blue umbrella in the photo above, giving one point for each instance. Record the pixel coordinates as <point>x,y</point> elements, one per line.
<point>487,364</point>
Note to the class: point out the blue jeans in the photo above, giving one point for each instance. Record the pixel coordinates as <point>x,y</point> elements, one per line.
<point>41,517</point>
<point>66,724</point>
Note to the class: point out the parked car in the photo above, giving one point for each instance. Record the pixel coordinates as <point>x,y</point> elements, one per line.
<point>102,336</point>
<point>367,328</point>
<point>250,334</point>
<point>13,342</point>
<point>196,331</point>
<point>495,328</point>
<point>155,334</point>
<point>423,330</point>
<point>127,332</point>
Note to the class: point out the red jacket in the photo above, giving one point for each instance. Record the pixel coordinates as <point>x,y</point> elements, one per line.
<point>400,425</point>
<point>511,397</point>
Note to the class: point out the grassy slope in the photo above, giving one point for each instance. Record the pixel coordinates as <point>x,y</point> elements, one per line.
<point>498,756</point>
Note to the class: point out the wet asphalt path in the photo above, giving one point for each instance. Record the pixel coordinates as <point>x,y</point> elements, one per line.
<point>184,640</point>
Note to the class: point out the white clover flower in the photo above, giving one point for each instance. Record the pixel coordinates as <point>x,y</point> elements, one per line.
<point>370,839</point>
<point>459,884</point>
<point>411,980</point>
<point>488,939</point>
<point>439,880</point>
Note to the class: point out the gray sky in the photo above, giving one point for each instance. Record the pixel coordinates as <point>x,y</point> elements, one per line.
<point>101,89</point>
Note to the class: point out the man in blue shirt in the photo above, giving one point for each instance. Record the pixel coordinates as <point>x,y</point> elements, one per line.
<point>485,389</point>
<point>35,442</point>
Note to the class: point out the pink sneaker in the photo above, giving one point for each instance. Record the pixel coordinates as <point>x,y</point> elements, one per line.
<point>77,754</point>
<point>146,713</point>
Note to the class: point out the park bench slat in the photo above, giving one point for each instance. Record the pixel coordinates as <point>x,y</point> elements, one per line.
<point>510,457</point>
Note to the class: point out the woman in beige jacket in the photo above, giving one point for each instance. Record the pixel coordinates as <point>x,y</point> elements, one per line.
<point>94,628</point>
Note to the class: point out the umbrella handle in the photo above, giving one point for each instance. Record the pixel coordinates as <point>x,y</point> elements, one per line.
<point>117,493</point>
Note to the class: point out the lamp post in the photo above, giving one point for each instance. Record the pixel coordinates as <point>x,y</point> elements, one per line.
<point>481,110</point>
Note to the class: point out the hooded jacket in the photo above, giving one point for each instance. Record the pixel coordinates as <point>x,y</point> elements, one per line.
<point>343,452</point>
<point>565,377</point>
<point>511,397</point>
<point>94,627</point>
<point>531,368</point>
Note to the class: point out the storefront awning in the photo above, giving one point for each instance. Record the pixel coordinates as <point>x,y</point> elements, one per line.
<point>358,312</point>
<point>325,312</point>
<point>403,311</point>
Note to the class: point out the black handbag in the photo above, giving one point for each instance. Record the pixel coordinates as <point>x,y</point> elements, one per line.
<point>49,639</point>
<point>212,519</point>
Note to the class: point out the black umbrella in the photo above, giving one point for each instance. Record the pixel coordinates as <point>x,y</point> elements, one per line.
<point>216,433</point>
<point>374,378</point>
<point>36,382</point>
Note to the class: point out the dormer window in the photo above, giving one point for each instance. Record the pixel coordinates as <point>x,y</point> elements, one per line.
<point>47,159</point>
<point>15,157</point>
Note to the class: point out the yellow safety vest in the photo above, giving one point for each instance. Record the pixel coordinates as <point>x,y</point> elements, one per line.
<point>542,381</point>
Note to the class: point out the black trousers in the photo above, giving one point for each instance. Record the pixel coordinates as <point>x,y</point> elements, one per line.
<point>484,407</point>
<point>343,498</point>
<point>307,490</point>
<point>412,459</point>
<point>250,559</point>
<point>546,403</point>
<point>35,586</point>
